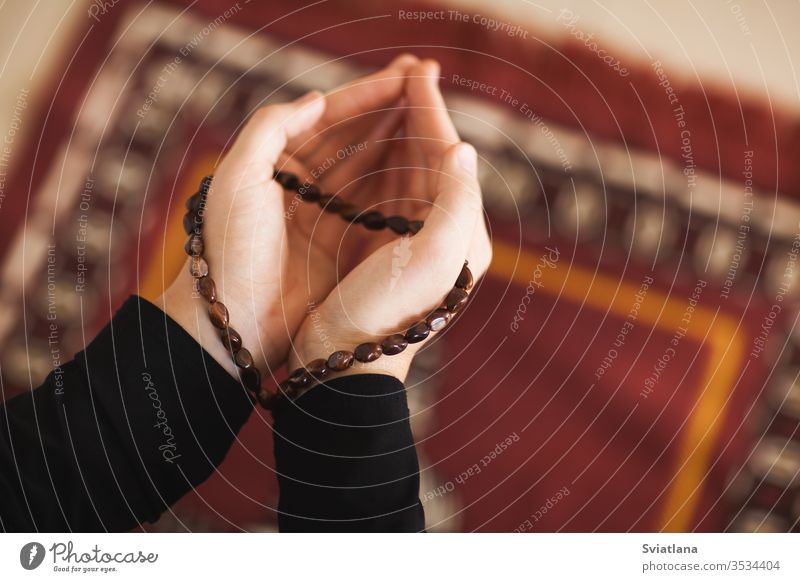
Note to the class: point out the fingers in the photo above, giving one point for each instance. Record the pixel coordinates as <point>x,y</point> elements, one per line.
<point>428,120</point>
<point>347,104</point>
<point>259,145</point>
<point>455,229</point>
<point>418,178</point>
<point>450,225</point>
<point>370,92</point>
<point>376,143</point>
<point>383,191</point>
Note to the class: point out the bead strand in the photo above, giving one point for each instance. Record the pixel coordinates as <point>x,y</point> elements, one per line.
<point>205,286</point>
<point>304,378</point>
<point>371,220</point>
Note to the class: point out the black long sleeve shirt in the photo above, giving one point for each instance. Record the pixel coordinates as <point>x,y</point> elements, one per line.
<point>144,414</point>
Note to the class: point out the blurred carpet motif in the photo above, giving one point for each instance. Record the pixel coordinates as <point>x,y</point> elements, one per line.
<point>629,362</point>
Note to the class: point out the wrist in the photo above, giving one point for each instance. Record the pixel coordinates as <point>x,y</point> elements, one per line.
<point>395,366</point>
<point>313,342</point>
<point>191,311</point>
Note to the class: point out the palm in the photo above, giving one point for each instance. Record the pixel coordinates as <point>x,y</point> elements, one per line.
<point>309,242</point>
<point>402,278</point>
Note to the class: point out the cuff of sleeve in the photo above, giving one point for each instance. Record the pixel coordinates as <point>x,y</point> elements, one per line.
<point>361,401</point>
<point>175,410</point>
<point>346,459</point>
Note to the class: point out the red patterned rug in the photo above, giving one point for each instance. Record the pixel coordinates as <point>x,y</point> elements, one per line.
<point>628,363</point>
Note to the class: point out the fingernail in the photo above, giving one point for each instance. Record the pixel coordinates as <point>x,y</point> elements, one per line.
<point>307,98</point>
<point>467,157</point>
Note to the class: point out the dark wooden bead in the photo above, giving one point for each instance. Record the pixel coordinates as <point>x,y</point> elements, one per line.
<point>251,378</point>
<point>394,344</point>
<point>373,220</point>
<point>350,212</point>
<point>218,314</point>
<point>465,280</point>
<point>456,299</point>
<point>267,399</point>
<point>193,201</point>
<point>318,368</point>
<point>231,340</point>
<point>335,205</point>
<point>194,245</point>
<point>207,288</point>
<point>367,352</point>
<point>287,389</point>
<point>198,267</point>
<point>438,319</point>
<point>414,226</point>
<point>310,193</point>
<point>287,180</point>
<point>191,222</point>
<point>398,224</point>
<point>417,332</point>
<point>340,360</point>
<point>299,378</point>
<point>291,182</point>
<point>198,217</point>
<point>205,185</point>
<point>244,359</point>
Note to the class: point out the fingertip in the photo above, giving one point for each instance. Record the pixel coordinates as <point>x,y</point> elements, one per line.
<point>460,169</point>
<point>432,68</point>
<point>312,100</point>
<point>467,157</point>
<point>462,155</point>
<point>423,79</point>
<point>309,107</point>
<point>425,69</point>
<point>404,61</point>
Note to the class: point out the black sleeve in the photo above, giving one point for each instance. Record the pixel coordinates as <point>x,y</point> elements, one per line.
<point>346,460</point>
<point>116,435</point>
<point>144,414</point>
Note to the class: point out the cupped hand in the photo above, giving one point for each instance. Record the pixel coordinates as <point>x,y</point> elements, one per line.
<point>269,255</point>
<point>429,174</point>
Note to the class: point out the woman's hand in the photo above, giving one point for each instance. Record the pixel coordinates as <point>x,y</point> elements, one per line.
<point>270,255</point>
<point>406,278</point>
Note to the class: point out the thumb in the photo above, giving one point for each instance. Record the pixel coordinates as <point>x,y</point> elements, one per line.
<point>254,154</point>
<point>456,209</point>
